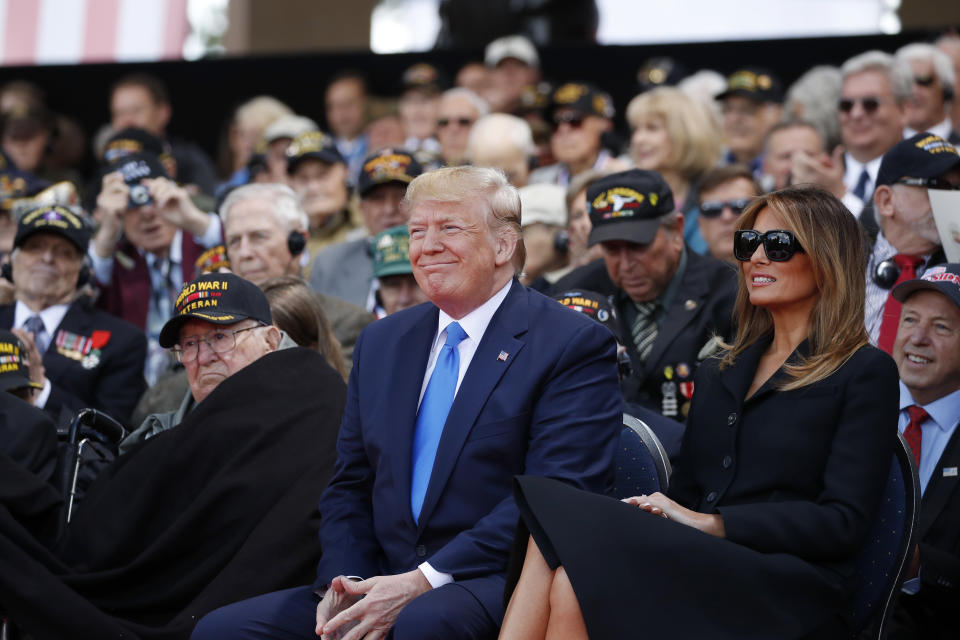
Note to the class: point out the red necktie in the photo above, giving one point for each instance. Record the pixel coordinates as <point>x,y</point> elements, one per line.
<point>891,309</point>
<point>912,434</point>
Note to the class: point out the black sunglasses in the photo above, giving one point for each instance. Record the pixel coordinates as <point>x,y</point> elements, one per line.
<point>779,245</point>
<point>572,119</point>
<point>870,104</point>
<point>930,183</point>
<point>713,208</point>
<point>446,122</point>
<point>924,81</point>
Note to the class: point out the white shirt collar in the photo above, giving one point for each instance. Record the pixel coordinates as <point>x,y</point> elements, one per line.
<point>475,323</point>
<point>942,129</point>
<point>51,316</point>
<point>943,411</point>
<point>854,167</point>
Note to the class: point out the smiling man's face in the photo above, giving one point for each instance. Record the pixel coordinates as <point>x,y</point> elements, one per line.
<point>927,347</point>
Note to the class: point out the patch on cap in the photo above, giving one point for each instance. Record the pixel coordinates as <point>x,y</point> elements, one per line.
<point>56,219</point>
<point>944,278</point>
<point>583,98</point>
<point>312,144</point>
<point>391,252</point>
<point>212,260</point>
<point>593,305</point>
<point>935,144</point>
<point>620,202</point>
<point>14,369</point>
<point>628,206</point>
<point>387,165</point>
<point>757,84</point>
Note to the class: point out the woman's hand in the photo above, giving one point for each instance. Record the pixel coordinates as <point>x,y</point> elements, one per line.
<point>660,505</point>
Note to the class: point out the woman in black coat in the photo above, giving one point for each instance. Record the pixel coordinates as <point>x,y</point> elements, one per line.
<point>788,444</point>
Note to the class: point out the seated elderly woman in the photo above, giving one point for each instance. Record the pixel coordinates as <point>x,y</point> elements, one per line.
<point>677,137</point>
<point>786,452</point>
<point>218,508</point>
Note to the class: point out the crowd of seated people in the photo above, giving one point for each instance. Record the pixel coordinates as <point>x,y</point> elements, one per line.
<point>402,236</point>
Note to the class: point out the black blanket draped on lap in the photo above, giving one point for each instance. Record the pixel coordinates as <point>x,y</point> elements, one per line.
<point>220,508</point>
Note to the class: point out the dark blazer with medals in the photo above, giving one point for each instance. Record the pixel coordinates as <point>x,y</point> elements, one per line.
<point>94,360</point>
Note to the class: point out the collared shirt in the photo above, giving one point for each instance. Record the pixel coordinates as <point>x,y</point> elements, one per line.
<point>52,317</point>
<point>852,175</point>
<point>943,129</point>
<point>876,296</point>
<point>937,430</point>
<point>474,324</point>
<point>627,306</point>
<point>353,151</point>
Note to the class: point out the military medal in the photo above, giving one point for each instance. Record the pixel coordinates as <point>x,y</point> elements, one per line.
<point>85,350</point>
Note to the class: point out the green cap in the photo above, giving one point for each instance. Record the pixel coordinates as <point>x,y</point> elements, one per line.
<point>391,252</point>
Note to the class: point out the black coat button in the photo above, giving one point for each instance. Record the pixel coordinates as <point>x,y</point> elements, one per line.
<point>732,418</point>
<point>727,462</point>
<point>712,496</point>
<point>421,551</point>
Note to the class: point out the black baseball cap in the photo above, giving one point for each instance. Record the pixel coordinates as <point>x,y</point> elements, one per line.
<point>54,218</point>
<point>755,83</point>
<point>14,372</point>
<point>628,206</point>
<point>944,278</point>
<point>137,166</point>
<point>593,305</point>
<point>315,145</point>
<point>132,141</point>
<point>583,98</point>
<point>387,165</point>
<point>923,155</point>
<point>219,298</point>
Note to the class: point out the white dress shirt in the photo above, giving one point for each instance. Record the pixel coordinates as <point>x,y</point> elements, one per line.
<point>850,178</point>
<point>474,324</point>
<point>944,129</point>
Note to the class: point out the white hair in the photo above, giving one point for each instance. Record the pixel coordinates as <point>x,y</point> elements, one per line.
<point>502,128</point>
<point>285,204</point>
<point>897,71</point>
<point>704,86</point>
<point>479,104</point>
<point>942,66</point>
<point>817,91</point>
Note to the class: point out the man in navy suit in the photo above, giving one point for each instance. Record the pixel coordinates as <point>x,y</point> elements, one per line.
<point>419,518</point>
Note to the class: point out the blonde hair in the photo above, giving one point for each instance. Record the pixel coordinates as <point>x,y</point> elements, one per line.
<point>693,131</point>
<point>834,242</point>
<point>454,184</point>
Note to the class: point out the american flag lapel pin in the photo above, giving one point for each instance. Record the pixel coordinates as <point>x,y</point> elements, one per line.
<point>503,356</point>
<point>949,472</point>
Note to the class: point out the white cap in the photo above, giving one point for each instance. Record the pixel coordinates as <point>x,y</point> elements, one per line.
<point>544,203</point>
<point>289,126</point>
<point>517,47</point>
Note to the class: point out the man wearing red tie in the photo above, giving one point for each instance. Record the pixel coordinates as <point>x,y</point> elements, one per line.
<point>927,352</point>
<point>907,243</point>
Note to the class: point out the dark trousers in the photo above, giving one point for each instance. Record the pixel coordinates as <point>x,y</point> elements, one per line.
<point>449,612</point>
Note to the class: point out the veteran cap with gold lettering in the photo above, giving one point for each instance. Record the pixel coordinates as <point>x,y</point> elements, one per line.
<point>219,298</point>
<point>387,165</point>
<point>754,83</point>
<point>67,222</point>
<point>628,206</point>
<point>315,145</point>
<point>14,372</point>
<point>923,155</point>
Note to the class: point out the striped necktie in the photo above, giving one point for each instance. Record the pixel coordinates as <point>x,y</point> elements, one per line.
<point>645,327</point>
<point>34,325</point>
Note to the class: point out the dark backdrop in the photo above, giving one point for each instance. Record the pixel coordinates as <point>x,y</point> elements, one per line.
<point>204,92</point>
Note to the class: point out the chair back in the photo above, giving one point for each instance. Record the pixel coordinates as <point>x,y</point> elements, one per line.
<point>641,462</point>
<point>882,562</point>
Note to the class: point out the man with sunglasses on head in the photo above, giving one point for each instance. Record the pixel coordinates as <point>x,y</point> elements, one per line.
<point>873,97</point>
<point>907,243</point>
<point>670,301</point>
<point>724,193</point>
<point>580,115</point>
<point>934,83</point>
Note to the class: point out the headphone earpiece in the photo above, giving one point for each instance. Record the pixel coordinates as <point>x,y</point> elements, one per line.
<point>83,276</point>
<point>296,243</point>
<point>886,274</point>
<point>948,93</point>
<point>6,271</point>
<point>561,242</point>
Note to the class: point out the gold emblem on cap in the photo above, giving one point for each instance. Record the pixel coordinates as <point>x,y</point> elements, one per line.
<point>690,305</point>
<point>569,92</point>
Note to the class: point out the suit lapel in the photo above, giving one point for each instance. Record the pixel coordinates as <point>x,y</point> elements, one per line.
<point>686,305</point>
<point>485,371</point>
<point>413,349</point>
<point>75,320</point>
<point>939,489</point>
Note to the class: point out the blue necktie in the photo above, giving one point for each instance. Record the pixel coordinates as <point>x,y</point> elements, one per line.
<point>34,325</point>
<point>434,408</point>
<point>860,190</point>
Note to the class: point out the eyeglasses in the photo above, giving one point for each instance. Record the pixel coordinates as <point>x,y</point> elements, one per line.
<point>219,342</point>
<point>924,81</point>
<point>779,245</point>
<point>870,104</point>
<point>446,122</point>
<point>574,120</point>
<point>930,183</point>
<point>714,208</point>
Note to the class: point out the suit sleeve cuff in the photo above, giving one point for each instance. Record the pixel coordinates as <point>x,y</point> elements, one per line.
<point>213,235</point>
<point>102,267</point>
<point>434,577</point>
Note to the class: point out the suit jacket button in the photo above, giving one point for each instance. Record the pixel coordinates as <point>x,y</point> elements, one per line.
<point>421,551</point>
<point>727,462</point>
<point>732,418</point>
<point>712,496</point>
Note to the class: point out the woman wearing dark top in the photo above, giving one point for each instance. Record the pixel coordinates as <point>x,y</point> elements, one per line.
<point>787,448</point>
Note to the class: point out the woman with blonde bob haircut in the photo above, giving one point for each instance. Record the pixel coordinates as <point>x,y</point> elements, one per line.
<point>787,448</point>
